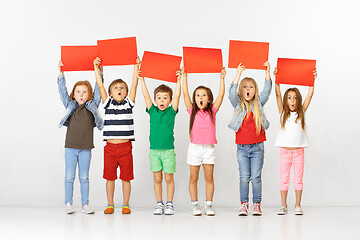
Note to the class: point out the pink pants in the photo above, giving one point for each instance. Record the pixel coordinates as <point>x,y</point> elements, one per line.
<point>288,158</point>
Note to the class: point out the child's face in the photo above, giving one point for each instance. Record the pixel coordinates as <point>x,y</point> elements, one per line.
<point>81,94</point>
<point>201,98</point>
<point>162,100</point>
<point>291,101</point>
<point>248,90</point>
<point>118,92</point>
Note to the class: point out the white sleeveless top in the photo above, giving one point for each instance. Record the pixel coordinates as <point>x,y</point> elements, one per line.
<point>293,135</point>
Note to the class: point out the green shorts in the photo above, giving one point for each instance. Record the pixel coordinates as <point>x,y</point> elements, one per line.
<point>162,159</point>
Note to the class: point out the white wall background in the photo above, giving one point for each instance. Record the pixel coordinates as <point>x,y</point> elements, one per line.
<point>31,147</point>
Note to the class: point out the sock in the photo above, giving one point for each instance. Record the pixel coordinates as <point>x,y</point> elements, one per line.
<point>208,202</point>
<point>160,202</point>
<point>169,202</point>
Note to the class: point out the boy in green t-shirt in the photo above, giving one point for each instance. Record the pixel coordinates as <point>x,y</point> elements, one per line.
<point>162,154</point>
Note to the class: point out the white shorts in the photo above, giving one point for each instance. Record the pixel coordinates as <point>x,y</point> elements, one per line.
<point>200,154</point>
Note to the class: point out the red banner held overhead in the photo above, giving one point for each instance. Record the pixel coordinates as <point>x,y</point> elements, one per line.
<point>160,66</point>
<point>202,60</point>
<point>295,71</point>
<point>78,58</point>
<point>120,51</point>
<point>252,55</point>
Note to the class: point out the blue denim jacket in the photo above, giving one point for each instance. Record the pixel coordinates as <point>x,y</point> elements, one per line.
<point>237,119</point>
<point>70,105</point>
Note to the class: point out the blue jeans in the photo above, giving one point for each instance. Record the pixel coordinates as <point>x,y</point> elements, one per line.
<point>82,158</point>
<point>250,158</point>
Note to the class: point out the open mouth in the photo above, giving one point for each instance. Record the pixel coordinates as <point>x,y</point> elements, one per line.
<point>201,103</point>
<point>162,105</point>
<point>119,94</point>
<point>248,94</point>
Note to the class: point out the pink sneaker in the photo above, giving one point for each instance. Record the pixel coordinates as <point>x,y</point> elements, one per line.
<point>257,210</point>
<point>244,209</point>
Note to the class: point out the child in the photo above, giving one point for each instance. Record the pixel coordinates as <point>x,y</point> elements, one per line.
<point>118,132</point>
<point>249,123</point>
<point>292,139</point>
<point>162,154</point>
<point>80,118</point>
<point>202,132</point>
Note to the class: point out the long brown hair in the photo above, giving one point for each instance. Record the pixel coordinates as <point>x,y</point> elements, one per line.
<point>84,83</point>
<point>244,104</point>
<point>285,114</point>
<point>195,108</point>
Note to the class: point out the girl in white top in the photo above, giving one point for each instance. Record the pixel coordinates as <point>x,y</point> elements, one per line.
<point>292,139</point>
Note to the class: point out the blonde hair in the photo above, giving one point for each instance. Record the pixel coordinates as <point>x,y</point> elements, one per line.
<point>84,83</point>
<point>245,105</point>
<point>285,114</point>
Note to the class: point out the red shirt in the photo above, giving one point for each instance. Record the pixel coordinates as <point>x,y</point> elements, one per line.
<point>247,132</point>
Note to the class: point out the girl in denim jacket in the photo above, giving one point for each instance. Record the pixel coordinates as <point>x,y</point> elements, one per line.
<point>80,118</point>
<point>249,123</point>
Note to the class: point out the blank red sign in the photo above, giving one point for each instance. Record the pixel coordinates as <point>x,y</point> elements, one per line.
<point>160,66</point>
<point>252,55</point>
<point>295,71</point>
<point>202,60</point>
<point>78,58</point>
<point>120,51</point>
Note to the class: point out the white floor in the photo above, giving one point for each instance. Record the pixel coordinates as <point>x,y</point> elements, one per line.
<point>52,223</point>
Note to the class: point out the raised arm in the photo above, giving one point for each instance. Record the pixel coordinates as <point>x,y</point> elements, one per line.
<point>175,102</point>
<point>265,93</point>
<point>310,94</point>
<point>145,92</point>
<point>278,94</point>
<point>187,98</point>
<point>64,96</point>
<point>99,80</point>
<point>132,93</point>
<point>220,97</point>
<point>233,96</point>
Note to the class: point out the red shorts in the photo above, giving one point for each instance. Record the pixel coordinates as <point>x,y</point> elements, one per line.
<point>118,155</point>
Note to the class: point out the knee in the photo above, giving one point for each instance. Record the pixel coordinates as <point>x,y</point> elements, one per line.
<point>169,178</point>
<point>255,180</point>
<point>209,178</point>
<point>70,177</point>
<point>84,179</point>
<point>194,178</point>
<point>158,179</point>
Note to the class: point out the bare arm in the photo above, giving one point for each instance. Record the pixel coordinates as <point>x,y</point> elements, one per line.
<point>220,98</point>
<point>278,94</point>
<point>175,103</point>
<point>187,98</point>
<point>239,70</point>
<point>132,93</point>
<point>145,92</point>
<point>310,94</point>
<point>98,71</point>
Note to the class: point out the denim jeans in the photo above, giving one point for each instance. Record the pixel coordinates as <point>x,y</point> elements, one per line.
<point>82,158</point>
<point>250,158</point>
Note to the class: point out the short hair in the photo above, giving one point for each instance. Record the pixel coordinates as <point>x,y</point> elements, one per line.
<point>118,81</point>
<point>79,83</point>
<point>165,89</point>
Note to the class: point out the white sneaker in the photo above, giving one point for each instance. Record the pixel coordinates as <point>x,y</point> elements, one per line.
<point>209,210</point>
<point>87,210</point>
<point>159,209</point>
<point>169,208</point>
<point>69,209</point>
<point>298,211</point>
<point>196,210</point>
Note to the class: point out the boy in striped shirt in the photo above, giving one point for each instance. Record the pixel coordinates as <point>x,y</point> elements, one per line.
<point>118,132</point>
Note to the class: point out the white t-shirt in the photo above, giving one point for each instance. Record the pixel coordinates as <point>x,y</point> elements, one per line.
<point>293,135</point>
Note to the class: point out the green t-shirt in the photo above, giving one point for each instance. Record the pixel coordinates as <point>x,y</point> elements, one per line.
<point>161,127</point>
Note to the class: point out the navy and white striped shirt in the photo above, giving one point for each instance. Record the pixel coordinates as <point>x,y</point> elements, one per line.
<point>119,122</point>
